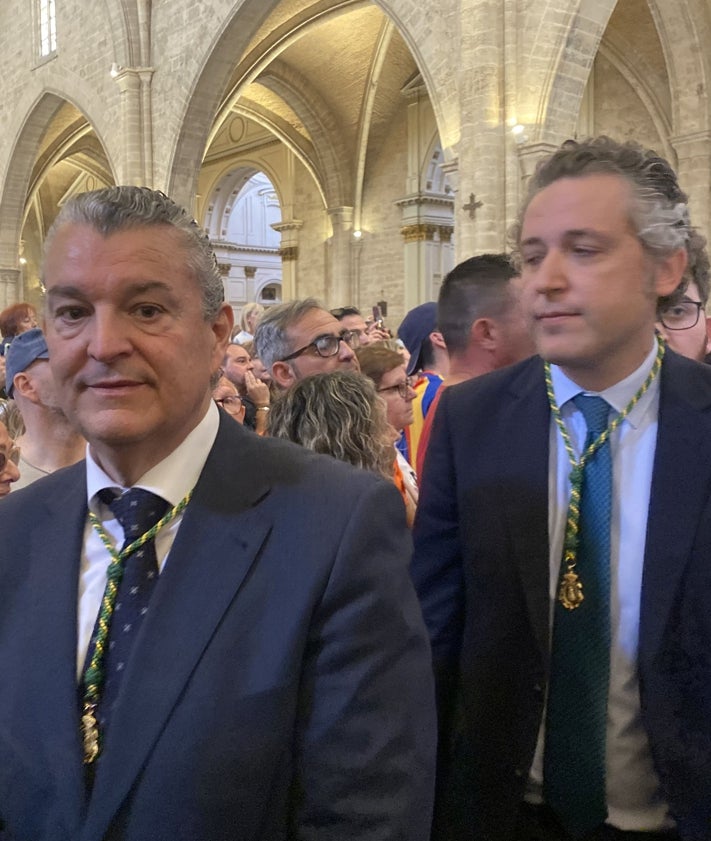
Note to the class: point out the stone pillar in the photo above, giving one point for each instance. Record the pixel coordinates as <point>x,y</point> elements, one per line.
<point>694,171</point>
<point>483,144</point>
<point>289,253</point>
<point>10,285</point>
<point>137,120</point>
<point>339,278</point>
<point>427,233</point>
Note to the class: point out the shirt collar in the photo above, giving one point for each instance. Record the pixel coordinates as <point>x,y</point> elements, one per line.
<point>171,478</point>
<point>617,395</point>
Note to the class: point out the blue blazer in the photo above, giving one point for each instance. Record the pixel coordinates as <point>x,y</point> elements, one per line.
<point>280,686</point>
<point>481,569</point>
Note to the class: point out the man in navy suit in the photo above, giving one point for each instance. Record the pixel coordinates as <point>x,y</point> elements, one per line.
<point>258,668</point>
<point>569,606</point>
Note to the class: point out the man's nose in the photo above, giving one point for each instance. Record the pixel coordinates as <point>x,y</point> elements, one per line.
<point>345,352</point>
<point>108,336</point>
<point>550,274</point>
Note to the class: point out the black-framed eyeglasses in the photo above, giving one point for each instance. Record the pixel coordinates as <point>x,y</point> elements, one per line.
<point>681,316</point>
<point>232,403</point>
<point>327,345</point>
<point>403,389</point>
<point>13,456</point>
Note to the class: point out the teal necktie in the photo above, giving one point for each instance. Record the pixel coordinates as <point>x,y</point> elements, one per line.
<point>574,763</point>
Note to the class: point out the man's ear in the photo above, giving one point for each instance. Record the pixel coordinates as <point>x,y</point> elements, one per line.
<point>708,334</point>
<point>483,332</point>
<point>24,385</point>
<point>283,374</point>
<point>437,339</point>
<point>222,330</point>
<point>669,272</point>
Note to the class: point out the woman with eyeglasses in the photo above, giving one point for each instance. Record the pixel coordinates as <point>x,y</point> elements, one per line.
<point>9,457</point>
<point>226,396</point>
<point>386,368</point>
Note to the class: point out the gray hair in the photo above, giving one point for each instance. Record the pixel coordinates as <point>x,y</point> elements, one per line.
<point>271,343</point>
<point>339,414</point>
<point>122,208</point>
<point>659,212</point>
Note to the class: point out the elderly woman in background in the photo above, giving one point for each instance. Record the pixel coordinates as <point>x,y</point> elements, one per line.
<point>338,414</point>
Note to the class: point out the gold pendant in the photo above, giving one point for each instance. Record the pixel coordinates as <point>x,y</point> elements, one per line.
<point>570,594</point>
<point>90,734</point>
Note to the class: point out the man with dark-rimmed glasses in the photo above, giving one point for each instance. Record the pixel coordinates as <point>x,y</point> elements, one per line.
<point>684,324</point>
<point>300,338</point>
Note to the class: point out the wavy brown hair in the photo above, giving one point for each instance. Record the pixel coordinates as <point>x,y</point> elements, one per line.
<point>337,414</point>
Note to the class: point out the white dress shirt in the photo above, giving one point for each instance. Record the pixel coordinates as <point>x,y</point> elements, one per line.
<point>633,791</point>
<point>171,479</point>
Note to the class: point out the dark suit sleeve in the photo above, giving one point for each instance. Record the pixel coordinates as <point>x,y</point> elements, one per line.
<point>437,562</point>
<point>367,734</point>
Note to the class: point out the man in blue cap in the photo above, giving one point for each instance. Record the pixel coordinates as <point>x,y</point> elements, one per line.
<point>429,361</point>
<point>49,440</point>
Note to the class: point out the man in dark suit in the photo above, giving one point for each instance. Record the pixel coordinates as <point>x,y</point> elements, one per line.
<point>258,668</point>
<point>562,559</point>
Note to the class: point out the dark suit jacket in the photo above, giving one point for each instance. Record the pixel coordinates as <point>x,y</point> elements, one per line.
<point>280,686</point>
<point>481,568</point>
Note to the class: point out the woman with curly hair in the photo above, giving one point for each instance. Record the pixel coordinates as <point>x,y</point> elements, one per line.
<point>339,414</point>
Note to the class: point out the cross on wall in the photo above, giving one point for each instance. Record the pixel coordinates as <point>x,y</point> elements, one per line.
<point>472,205</point>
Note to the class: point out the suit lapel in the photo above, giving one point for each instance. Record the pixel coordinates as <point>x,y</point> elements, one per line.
<point>51,639</point>
<point>682,469</point>
<point>526,432</point>
<point>217,543</point>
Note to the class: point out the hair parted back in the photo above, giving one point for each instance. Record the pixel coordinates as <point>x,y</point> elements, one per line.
<point>376,360</point>
<point>337,414</point>
<point>271,342</point>
<point>122,208</point>
<point>475,288</point>
<point>659,210</point>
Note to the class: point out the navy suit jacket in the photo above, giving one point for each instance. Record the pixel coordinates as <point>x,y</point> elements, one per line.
<point>481,568</point>
<point>279,688</point>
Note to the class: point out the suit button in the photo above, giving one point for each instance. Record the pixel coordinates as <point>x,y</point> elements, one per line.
<point>538,689</point>
<point>518,772</point>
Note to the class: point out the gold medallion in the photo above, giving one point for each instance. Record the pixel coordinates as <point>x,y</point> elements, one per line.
<point>570,594</point>
<point>90,734</point>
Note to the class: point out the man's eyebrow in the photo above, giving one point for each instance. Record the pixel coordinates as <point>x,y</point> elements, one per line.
<point>69,291</point>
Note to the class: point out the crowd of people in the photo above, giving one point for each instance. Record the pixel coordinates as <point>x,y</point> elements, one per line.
<point>222,573</point>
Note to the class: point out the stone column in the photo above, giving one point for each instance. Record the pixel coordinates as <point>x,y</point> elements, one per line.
<point>289,253</point>
<point>482,148</point>
<point>137,120</point>
<point>339,277</point>
<point>427,233</point>
<point>694,170</point>
<point>10,285</point>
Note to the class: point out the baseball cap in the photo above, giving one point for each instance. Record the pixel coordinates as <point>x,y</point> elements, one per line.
<point>415,328</point>
<point>24,350</point>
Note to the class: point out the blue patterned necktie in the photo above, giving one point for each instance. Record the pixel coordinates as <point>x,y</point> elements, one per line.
<point>137,510</point>
<point>574,764</point>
